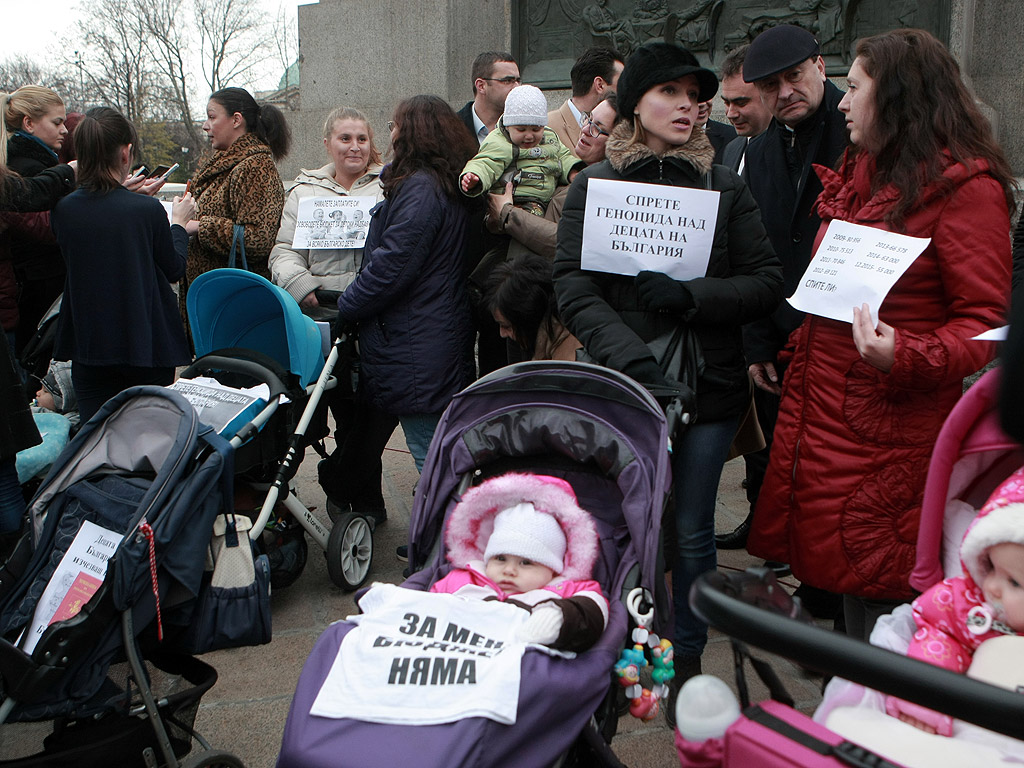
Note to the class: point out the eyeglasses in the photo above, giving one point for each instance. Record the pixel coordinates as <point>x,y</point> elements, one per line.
<point>504,80</point>
<point>593,128</point>
<point>390,125</point>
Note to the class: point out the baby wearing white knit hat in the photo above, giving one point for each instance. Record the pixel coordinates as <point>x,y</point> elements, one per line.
<point>523,538</point>
<point>523,151</point>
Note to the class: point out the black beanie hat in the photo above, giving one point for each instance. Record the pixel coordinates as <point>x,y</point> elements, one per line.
<point>656,63</point>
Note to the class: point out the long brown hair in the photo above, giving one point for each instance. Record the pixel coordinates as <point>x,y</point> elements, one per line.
<point>430,137</point>
<point>923,109</point>
<point>100,136</point>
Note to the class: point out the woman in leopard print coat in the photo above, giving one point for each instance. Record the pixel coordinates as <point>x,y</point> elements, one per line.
<point>239,184</point>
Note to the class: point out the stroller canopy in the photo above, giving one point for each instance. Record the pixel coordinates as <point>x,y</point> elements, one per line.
<point>235,308</point>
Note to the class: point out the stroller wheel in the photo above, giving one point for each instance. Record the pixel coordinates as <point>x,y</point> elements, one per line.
<point>213,758</point>
<point>350,551</point>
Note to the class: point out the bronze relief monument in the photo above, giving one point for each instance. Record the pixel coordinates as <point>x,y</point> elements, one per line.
<point>548,35</point>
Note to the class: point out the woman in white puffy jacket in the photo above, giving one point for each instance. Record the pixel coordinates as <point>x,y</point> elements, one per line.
<point>354,169</point>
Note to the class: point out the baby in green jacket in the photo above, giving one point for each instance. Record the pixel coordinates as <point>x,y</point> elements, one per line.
<point>521,149</point>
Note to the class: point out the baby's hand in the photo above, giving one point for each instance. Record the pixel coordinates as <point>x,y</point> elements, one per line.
<point>572,174</point>
<point>469,180</point>
<point>544,624</point>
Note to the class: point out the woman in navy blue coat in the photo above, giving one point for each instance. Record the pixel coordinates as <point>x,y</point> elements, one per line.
<point>119,322</point>
<point>409,299</point>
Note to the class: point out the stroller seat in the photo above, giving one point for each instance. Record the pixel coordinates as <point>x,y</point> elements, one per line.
<point>972,456</point>
<point>607,437</point>
<point>248,331</point>
<point>119,530</point>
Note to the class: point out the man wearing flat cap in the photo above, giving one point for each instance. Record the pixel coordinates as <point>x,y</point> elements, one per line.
<point>785,64</point>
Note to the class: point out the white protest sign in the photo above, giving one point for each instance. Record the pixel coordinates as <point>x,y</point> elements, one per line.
<point>76,579</point>
<point>854,265</point>
<point>630,227</point>
<point>419,658</point>
<point>332,222</point>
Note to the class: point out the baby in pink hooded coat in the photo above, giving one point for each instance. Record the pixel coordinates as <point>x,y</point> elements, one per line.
<point>957,615</point>
<point>524,540</point>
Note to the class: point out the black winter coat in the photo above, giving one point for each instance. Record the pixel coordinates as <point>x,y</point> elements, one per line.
<point>410,301</point>
<point>743,280</point>
<point>32,259</point>
<point>17,427</point>
<point>790,216</point>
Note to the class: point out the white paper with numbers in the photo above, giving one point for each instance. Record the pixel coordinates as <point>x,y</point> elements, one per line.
<point>854,265</point>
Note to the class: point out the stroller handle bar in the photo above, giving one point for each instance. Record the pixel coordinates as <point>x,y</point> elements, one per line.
<point>724,601</point>
<point>215,362</point>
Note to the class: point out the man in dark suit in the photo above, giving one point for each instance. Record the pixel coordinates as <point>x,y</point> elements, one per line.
<point>785,65</point>
<point>494,74</point>
<point>743,108</point>
<point>718,133</point>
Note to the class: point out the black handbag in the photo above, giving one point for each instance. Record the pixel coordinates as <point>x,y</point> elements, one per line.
<point>679,355</point>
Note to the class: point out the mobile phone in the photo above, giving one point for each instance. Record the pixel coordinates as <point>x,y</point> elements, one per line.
<point>163,170</point>
<point>140,171</point>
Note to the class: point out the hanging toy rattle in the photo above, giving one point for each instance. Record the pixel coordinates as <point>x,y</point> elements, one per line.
<point>643,702</point>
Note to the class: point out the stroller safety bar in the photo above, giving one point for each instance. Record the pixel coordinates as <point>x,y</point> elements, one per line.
<point>750,606</point>
<point>215,362</point>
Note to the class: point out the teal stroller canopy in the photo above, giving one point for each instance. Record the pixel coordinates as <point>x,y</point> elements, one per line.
<point>235,308</point>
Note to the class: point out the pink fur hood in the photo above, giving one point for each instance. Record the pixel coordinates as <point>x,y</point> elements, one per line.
<point>472,520</point>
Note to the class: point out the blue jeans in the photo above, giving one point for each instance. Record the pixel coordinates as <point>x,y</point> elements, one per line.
<point>419,431</point>
<point>697,462</point>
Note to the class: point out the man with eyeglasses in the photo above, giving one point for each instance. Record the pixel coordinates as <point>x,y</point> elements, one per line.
<point>593,76</point>
<point>494,74</point>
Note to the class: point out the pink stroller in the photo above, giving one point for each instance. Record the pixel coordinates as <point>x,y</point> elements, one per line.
<point>971,457</point>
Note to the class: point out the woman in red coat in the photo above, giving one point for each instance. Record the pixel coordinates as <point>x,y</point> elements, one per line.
<point>861,408</point>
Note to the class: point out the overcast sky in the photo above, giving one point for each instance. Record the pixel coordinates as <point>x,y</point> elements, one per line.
<point>40,28</point>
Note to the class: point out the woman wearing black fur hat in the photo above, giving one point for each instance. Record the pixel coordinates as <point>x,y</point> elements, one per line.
<point>615,316</point>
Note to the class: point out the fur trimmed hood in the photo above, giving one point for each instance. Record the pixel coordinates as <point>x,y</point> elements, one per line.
<point>472,521</point>
<point>1001,520</point>
<point>623,151</point>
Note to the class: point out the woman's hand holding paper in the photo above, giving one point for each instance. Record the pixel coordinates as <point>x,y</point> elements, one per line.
<point>876,344</point>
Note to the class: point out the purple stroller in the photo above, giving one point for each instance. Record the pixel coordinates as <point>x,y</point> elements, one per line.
<point>607,437</point>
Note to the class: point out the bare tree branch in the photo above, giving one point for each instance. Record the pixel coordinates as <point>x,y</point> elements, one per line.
<point>170,39</point>
<point>235,38</point>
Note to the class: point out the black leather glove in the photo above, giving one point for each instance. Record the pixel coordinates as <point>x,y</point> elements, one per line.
<point>648,373</point>
<point>342,328</point>
<point>660,293</point>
